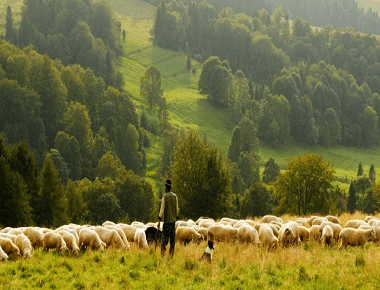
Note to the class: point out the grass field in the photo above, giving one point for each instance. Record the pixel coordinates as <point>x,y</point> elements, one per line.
<point>234,266</point>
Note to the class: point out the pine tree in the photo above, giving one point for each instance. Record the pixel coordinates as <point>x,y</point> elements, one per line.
<point>188,62</point>
<point>351,204</point>
<point>10,32</point>
<point>271,171</point>
<point>53,205</point>
<point>360,170</point>
<point>372,174</point>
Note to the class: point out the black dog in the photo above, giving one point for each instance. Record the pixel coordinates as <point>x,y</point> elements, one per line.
<point>207,255</point>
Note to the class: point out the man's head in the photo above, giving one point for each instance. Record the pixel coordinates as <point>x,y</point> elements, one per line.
<point>168,185</point>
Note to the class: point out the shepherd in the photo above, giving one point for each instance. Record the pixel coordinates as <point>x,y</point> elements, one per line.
<point>169,213</point>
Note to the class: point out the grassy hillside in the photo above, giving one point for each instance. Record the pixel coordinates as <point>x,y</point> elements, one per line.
<point>366,4</point>
<point>188,109</point>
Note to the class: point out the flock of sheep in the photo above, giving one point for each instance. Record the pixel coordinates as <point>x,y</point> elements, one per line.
<point>270,232</point>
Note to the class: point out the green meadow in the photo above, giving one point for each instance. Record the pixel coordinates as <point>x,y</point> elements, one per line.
<point>234,266</point>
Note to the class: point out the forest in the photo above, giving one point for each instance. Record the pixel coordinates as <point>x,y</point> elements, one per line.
<point>72,144</point>
<point>323,81</point>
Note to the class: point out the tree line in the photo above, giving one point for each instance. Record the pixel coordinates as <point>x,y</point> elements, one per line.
<point>338,13</point>
<point>317,87</point>
<point>75,32</point>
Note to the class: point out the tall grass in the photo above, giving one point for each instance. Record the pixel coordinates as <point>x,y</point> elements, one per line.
<point>234,266</point>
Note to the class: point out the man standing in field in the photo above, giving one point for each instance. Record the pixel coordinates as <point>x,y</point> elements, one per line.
<point>169,212</point>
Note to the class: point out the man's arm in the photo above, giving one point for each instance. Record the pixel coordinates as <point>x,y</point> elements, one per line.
<point>161,214</point>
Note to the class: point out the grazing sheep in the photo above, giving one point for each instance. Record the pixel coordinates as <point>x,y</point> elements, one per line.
<point>268,218</point>
<point>129,232</point>
<point>35,236</point>
<point>248,234</point>
<point>90,239</point>
<point>70,241</point>
<point>6,235</point>
<point>108,223</point>
<point>317,221</point>
<point>302,222</point>
<point>315,234</point>
<point>25,246</point>
<point>368,218</point>
<point>355,224</point>
<point>110,237</point>
<point>188,234</point>
<point>374,222</point>
<point>203,232</point>
<point>137,224</point>
<point>333,219</point>
<point>327,236</point>
<point>180,224</point>
<point>15,232</point>
<point>221,233</point>
<point>267,238</point>
<point>275,229</point>
<point>121,234</point>
<point>3,255</point>
<point>250,222</point>
<point>140,239</point>
<point>304,234</point>
<point>277,224</point>
<point>376,239</point>
<point>355,237</point>
<point>335,227</point>
<point>52,240</point>
<point>288,234</point>
<point>238,224</point>
<point>6,230</point>
<point>9,247</point>
<point>311,219</point>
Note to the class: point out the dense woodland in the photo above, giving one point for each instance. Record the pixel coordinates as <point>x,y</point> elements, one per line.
<point>72,143</point>
<point>316,86</point>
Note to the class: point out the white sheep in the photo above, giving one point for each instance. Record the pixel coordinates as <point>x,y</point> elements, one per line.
<point>9,247</point>
<point>52,240</point>
<point>35,236</point>
<point>188,234</point>
<point>108,223</point>
<point>288,234</point>
<point>268,218</point>
<point>121,234</point>
<point>70,241</point>
<point>140,238</point>
<point>315,234</point>
<point>304,234</point>
<point>90,239</point>
<point>333,219</point>
<point>129,232</point>
<point>355,237</point>
<point>221,233</point>
<point>327,236</point>
<point>267,238</point>
<point>355,224</point>
<point>335,227</point>
<point>248,234</point>
<point>376,239</point>
<point>202,231</point>
<point>3,255</point>
<point>25,246</point>
<point>110,237</point>
<point>9,236</point>
<point>15,232</point>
